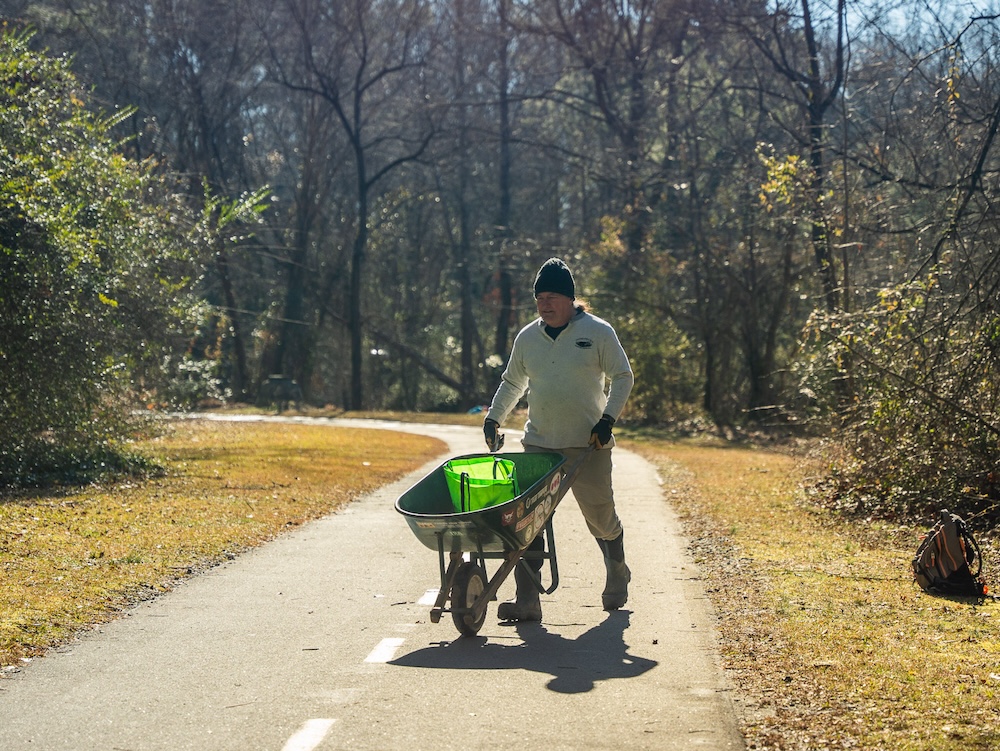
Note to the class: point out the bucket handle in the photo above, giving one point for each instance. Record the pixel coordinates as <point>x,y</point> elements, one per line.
<point>464,481</point>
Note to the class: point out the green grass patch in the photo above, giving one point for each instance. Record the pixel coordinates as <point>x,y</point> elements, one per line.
<point>47,465</point>
<point>72,558</point>
<point>823,629</point>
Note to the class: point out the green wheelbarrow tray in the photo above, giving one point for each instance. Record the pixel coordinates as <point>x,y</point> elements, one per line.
<point>465,541</point>
<point>429,511</point>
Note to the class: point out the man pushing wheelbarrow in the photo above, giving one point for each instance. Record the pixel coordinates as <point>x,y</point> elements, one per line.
<point>563,361</point>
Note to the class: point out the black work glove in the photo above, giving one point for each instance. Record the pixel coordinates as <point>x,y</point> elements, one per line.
<point>491,431</point>
<point>600,434</point>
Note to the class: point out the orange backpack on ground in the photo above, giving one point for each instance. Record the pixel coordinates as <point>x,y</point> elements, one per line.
<point>948,561</point>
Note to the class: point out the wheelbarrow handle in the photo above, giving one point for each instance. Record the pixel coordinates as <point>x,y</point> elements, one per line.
<point>574,469</point>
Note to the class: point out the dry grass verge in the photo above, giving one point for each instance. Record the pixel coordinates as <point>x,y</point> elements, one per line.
<point>75,558</point>
<point>824,633</point>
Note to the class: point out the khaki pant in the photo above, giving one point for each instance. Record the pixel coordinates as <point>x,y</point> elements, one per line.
<point>592,490</point>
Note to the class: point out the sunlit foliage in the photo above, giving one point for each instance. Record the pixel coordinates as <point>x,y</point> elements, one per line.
<point>94,258</point>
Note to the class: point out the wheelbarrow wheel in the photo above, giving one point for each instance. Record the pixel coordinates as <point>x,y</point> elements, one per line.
<point>470,581</point>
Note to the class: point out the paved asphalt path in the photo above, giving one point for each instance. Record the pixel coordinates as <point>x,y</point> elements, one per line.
<point>322,640</point>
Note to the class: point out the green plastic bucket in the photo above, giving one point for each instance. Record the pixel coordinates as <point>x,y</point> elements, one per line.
<point>480,481</point>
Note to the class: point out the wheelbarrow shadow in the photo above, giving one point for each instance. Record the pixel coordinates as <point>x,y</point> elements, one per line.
<point>575,665</point>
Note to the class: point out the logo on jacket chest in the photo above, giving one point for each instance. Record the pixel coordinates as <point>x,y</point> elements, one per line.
<point>584,343</point>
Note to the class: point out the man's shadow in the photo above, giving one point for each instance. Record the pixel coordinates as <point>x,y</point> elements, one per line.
<point>575,665</point>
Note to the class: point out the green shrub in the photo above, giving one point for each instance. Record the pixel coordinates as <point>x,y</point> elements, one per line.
<point>921,403</point>
<point>95,258</point>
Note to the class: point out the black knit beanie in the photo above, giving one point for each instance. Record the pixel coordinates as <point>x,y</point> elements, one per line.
<point>555,276</point>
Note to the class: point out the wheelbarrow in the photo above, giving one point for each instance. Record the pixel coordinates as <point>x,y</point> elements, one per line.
<point>466,540</point>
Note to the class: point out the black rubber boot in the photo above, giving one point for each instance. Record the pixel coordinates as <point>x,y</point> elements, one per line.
<point>527,606</point>
<point>615,593</point>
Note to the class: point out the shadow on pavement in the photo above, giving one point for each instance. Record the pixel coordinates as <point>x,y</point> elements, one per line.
<point>575,665</point>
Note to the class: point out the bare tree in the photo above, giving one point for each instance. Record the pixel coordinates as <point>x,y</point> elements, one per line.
<point>631,53</point>
<point>363,59</point>
<point>793,43</point>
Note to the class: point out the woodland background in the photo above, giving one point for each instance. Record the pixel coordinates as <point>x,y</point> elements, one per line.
<point>787,209</point>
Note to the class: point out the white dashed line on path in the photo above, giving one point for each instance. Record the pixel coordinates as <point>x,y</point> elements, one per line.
<point>430,596</point>
<point>309,736</point>
<point>385,650</point>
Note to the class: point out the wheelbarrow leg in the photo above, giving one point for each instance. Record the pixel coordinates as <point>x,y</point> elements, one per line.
<point>551,556</point>
<point>540,555</point>
<point>447,578</point>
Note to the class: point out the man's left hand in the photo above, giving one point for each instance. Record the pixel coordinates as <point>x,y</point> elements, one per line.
<point>494,439</point>
<point>600,434</point>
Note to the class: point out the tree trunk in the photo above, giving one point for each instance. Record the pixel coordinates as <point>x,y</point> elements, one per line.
<point>354,293</point>
<point>240,378</point>
<point>504,232</point>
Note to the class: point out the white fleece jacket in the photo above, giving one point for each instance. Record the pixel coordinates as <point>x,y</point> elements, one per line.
<point>565,380</point>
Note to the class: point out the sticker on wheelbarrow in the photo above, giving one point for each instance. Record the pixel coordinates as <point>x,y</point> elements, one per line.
<point>507,517</point>
<point>536,509</point>
<point>525,522</point>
